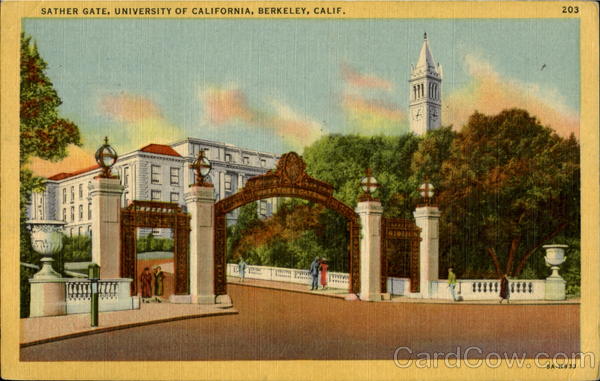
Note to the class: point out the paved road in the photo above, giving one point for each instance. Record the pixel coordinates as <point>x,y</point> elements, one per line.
<point>275,325</point>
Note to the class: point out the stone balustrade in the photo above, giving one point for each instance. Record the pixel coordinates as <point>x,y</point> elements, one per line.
<point>278,274</point>
<point>113,295</point>
<point>489,289</point>
<point>470,289</point>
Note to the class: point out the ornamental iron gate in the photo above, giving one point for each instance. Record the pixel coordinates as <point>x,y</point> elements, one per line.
<point>400,240</point>
<point>156,214</point>
<point>289,179</point>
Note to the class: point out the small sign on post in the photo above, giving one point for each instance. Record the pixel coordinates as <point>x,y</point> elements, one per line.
<point>94,275</point>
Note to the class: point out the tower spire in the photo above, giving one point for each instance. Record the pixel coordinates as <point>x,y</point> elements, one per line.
<point>425,92</point>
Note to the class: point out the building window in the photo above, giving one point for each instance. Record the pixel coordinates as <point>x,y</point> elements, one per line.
<point>227,182</point>
<point>80,212</point>
<point>155,195</point>
<point>64,195</point>
<point>80,191</point>
<point>89,210</point>
<point>79,231</point>
<point>246,160</point>
<point>174,197</point>
<point>125,176</point>
<point>263,163</point>
<point>228,157</point>
<point>65,214</point>
<point>263,208</point>
<point>72,213</point>
<point>72,193</point>
<point>155,174</point>
<point>174,176</point>
<point>89,231</point>
<point>125,199</point>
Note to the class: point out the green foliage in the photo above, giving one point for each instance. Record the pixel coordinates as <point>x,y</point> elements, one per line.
<point>149,243</point>
<point>508,186</point>
<point>292,237</point>
<point>77,248</point>
<point>43,134</point>
<point>341,160</point>
<point>247,220</point>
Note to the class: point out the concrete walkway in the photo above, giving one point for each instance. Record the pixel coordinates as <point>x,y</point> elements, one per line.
<point>52,328</point>
<point>342,293</point>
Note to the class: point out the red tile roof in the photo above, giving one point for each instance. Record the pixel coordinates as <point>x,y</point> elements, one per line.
<point>64,175</point>
<point>160,149</point>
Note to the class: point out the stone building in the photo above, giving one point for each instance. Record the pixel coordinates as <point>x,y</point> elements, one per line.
<point>154,172</point>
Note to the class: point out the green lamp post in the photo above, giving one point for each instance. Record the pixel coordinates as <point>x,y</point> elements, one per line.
<point>94,275</point>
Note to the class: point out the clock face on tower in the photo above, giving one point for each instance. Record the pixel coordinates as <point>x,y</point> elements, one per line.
<point>418,113</point>
<point>435,114</point>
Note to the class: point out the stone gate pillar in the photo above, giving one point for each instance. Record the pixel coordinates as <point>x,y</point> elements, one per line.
<point>106,223</point>
<point>427,218</point>
<point>370,212</point>
<point>200,201</point>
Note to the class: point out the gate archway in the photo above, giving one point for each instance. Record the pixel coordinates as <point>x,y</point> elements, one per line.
<point>156,214</point>
<point>289,179</point>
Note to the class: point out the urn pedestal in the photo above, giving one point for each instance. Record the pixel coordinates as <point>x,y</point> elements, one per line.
<point>555,284</point>
<point>47,286</point>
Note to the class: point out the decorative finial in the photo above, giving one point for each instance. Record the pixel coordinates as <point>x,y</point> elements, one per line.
<point>106,140</point>
<point>425,36</point>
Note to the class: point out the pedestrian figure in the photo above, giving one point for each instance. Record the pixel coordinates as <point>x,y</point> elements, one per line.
<point>452,283</point>
<point>146,284</point>
<point>323,269</point>
<point>504,289</point>
<point>314,273</point>
<point>158,283</point>
<point>242,269</point>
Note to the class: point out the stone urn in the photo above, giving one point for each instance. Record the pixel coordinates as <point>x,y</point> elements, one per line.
<point>46,239</point>
<point>555,256</point>
<point>555,285</point>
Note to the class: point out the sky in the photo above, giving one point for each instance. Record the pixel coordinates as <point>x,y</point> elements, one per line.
<point>278,85</point>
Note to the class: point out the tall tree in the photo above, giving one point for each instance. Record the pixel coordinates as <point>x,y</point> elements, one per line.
<point>43,134</point>
<point>509,186</point>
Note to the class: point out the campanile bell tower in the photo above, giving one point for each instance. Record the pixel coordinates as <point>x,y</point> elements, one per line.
<point>425,109</point>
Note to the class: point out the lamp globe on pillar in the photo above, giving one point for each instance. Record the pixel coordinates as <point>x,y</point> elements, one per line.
<point>368,185</point>
<point>106,157</point>
<point>201,167</point>
<point>427,193</point>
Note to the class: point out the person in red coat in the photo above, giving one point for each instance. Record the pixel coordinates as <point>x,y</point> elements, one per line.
<point>323,269</point>
<point>146,284</point>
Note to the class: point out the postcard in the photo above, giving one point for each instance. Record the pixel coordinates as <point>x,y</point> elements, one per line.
<point>299,190</point>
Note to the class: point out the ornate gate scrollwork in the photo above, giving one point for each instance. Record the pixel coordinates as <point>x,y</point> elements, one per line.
<point>289,179</point>
<point>400,240</point>
<point>156,214</point>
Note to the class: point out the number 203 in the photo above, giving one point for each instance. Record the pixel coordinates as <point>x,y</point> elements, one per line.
<point>570,9</point>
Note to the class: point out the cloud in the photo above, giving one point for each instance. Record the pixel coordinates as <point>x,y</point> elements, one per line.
<point>226,106</point>
<point>139,121</point>
<point>489,92</point>
<point>368,109</point>
<point>355,78</point>
<point>77,158</point>
<point>129,108</point>
<point>373,116</point>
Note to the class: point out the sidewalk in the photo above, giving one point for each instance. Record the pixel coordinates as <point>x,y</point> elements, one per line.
<point>342,293</point>
<point>52,328</point>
